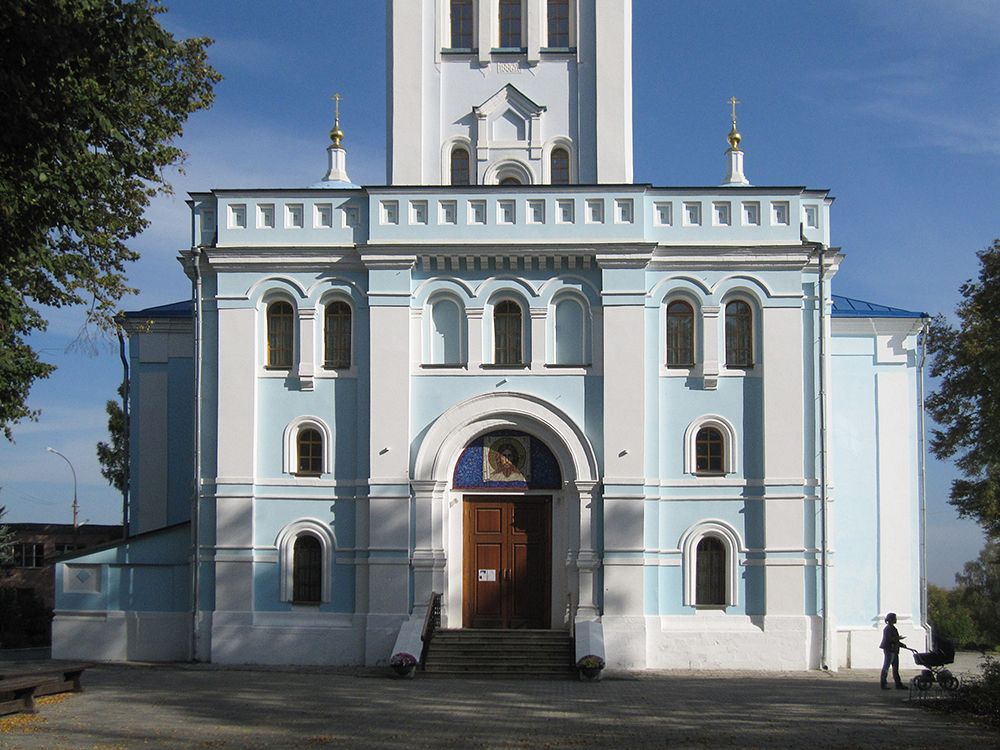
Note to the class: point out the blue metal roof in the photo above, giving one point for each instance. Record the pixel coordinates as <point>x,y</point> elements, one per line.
<point>182,309</point>
<point>845,307</point>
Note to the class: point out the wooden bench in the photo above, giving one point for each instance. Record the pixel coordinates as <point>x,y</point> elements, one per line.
<point>19,690</point>
<point>19,693</point>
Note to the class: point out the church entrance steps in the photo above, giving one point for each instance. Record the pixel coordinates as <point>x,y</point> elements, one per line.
<point>534,653</point>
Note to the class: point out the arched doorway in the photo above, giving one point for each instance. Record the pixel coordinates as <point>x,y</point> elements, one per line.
<point>442,505</point>
<point>506,480</point>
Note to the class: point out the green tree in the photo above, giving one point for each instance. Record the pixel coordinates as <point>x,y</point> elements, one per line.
<point>113,456</point>
<point>950,617</point>
<point>979,587</point>
<point>6,538</point>
<point>966,406</point>
<point>95,94</point>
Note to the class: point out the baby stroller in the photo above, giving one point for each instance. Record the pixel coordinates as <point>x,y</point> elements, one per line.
<point>934,662</point>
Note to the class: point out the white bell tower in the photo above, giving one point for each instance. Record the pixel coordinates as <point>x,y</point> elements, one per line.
<point>509,91</point>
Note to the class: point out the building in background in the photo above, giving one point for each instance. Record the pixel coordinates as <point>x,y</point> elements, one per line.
<point>27,579</point>
<point>516,379</point>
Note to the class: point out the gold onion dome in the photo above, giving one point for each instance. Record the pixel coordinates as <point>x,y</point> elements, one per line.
<point>734,138</point>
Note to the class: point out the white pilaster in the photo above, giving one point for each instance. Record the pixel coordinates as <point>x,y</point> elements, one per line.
<point>710,346</point>
<point>307,354</point>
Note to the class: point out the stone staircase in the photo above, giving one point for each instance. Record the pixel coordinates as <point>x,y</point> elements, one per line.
<point>501,653</point>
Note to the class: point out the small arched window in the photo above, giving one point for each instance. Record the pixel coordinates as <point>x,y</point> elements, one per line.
<point>459,166</point>
<point>280,336</point>
<point>570,330</point>
<point>510,181</point>
<point>559,166</point>
<point>307,570</point>
<point>710,573</point>
<point>680,334</point>
<point>710,451</point>
<point>337,336</point>
<point>739,334</point>
<point>309,447</point>
<point>507,345</point>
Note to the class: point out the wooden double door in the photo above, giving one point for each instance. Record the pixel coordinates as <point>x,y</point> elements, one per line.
<point>507,566</point>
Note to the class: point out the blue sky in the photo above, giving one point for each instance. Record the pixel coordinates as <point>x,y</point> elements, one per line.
<point>893,106</point>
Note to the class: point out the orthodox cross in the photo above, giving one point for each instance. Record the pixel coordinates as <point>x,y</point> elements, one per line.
<point>733,101</point>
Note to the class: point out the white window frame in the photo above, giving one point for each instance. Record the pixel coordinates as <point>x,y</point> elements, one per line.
<point>689,560</point>
<point>290,443</point>
<point>729,445</point>
<point>285,542</point>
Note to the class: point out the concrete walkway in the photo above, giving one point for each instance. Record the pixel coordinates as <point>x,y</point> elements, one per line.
<point>132,706</point>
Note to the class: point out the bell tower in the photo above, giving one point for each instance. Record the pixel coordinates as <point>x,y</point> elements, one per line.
<point>509,92</point>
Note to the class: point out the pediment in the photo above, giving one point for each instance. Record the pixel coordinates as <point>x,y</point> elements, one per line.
<point>508,98</point>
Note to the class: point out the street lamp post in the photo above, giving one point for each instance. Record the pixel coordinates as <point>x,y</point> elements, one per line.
<point>76,505</point>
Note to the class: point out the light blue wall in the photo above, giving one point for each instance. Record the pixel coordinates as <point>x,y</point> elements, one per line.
<point>854,475</point>
<point>148,573</point>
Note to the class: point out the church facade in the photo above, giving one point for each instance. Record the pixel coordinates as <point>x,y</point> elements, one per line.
<point>516,379</point>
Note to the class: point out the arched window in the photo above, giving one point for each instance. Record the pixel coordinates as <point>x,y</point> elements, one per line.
<point>507,344</point>
<point>461,24</point>
<point>280,336</point>
<point>307,570</point>
<point>680,334</point>
<point>510,24</point>
<point>559,166</point>
<point>570,332</point>
<point>711,552</point>
<point>446,333</point>
<point>306,549</point>
<point>337,336</point>
<point>739,334</point>
<point>459,166</point>
<point>309,446</point>
<point>710,573</point>
<point>510,181</point>
<point>710,451</point>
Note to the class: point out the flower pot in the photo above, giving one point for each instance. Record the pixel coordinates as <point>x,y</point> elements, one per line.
<point>404,671</point>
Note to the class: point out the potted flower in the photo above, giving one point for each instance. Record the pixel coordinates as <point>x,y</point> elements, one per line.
<point>590,667</point>
<point>403,664</point>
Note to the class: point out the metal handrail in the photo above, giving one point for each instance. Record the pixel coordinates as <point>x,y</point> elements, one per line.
<point>432,620</point>
<point>572,616</point>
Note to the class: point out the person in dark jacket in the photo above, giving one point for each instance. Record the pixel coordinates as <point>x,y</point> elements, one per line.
<point>891,641</point>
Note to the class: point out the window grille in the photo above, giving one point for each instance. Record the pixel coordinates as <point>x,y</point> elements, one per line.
<point>558,11</point>
<point>680,334</point>
<point>507,333</point>
<point>510,24</point>
<point>461,24</point>
<point>307,570</point>
<point>710,583</point>
<point>337,336</point>
<point>280,336</point>
<point>739,335</point>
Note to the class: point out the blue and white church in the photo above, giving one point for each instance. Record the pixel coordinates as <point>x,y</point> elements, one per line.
<point>516,379</point>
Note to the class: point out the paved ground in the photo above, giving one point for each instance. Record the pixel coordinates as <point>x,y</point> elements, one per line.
<point>208,707</point>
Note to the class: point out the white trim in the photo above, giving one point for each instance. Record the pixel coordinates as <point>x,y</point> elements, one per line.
<point>285,542</point>
<point>289,443</point>
<point>729,465</point>
<point>689,549</point>
<point>501,170</point>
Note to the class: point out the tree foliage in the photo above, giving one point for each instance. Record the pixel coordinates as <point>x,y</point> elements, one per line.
<point>979,589</point>
<point>969,614</point>
<point>113,456</point>
<point>6,538</point>
<point>95,94</point>
<point>966,406</point>
<point>950,617</point>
